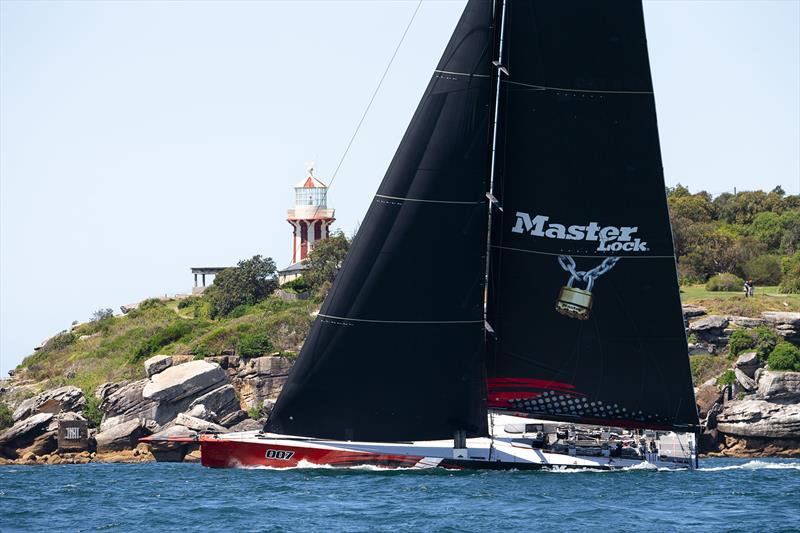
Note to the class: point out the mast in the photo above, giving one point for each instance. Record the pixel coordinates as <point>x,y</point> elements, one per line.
<point>498,23</point>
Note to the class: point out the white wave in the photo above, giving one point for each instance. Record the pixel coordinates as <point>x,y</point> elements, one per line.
<point>302,464</point>
<point>754,465</point>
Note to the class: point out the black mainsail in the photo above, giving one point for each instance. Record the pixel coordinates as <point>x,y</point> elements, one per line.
<point>398,353</point>
<point>582,303</point>
<point>583,293</point>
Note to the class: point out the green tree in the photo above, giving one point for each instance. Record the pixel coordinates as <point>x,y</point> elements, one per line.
<point>767,228</point>
<point>790,284</point>
<point>325,259</point>
<point>695,207</point>
<point>790,224</point>
<point>250,281</point>
<point>764,270</point>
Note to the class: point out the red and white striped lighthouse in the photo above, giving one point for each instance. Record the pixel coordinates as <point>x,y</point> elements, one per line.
<point>310,219</point>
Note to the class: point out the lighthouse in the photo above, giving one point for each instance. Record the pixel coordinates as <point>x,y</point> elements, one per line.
<point>310,220</point>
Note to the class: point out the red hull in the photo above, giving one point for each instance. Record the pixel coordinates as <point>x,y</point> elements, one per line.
<point>220,453</point>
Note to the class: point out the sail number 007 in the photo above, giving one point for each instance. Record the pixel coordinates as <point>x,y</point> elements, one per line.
<point>280,455</point>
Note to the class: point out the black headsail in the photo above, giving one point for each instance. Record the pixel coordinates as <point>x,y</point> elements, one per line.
<point>583,293</point>
<point>397,352</point>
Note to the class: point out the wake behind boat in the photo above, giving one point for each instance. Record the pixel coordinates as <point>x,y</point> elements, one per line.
<point>532,171</point>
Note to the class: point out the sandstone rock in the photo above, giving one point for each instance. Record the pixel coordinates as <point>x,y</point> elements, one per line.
<point>262,379</point>
<point>24,432</point>
<point>156,364</point>
<point>248,425</point>
<point>61,400</point>
<point>44,444</point>
<point>182,381</point>
<point>759,418</point>
<point>706,396</point>
<point>233,419</point>
<point>198,425</point>
<point>709,323</point>
<point>711,418</point>
<point>200,411</point>
<point>29,457</point>
<point>747,383</point>
<point>776,318</point>
<point>54,401</point>
<point>746,321</point>
<point>690,311</point>
<point>126,404</point>
<point>222,401</point>
<point>225,361</point>
<point>180,359</point>
<point>123,436</point>
<point>24,409</point>
<point>782,387</point>
<point>748,363</point>
<point>104,390</point>
<point>171,452</point>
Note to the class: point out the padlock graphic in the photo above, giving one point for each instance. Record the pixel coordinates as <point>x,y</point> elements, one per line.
<point>575,303</point>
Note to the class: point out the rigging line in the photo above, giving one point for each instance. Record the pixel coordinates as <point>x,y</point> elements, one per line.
<point>372,99</point>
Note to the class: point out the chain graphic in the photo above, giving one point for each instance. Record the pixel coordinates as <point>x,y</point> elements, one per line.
<point>574,302</point>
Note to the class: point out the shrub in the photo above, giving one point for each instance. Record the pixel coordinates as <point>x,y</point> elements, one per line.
<point>6,418</point>
<point>297,285</point>
<point>257,411</point>
<point>725,282</point>
<point>102,314</point>
<point>253,345</point>
<point>150,303</point>
<point>161,338</point>
<point>191,301</point>
<point>764,270</point>
<point>92,412</point>
<point>62,340</point>
<point>766,340</point>
<point>785,356</point>
<point>740,341</point>
<point>726,378</point>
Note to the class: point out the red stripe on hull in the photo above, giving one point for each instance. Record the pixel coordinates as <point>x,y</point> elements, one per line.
<point>221,453</point>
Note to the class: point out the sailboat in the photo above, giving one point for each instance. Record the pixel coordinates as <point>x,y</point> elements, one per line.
<point>548,332</point>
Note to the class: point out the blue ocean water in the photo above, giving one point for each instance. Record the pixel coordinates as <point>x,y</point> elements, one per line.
<point>725,495</point>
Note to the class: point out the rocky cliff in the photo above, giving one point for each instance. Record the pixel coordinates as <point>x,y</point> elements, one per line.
<point>180,397</point>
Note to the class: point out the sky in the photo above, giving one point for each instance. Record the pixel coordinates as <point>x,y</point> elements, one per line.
<point>141,138</point>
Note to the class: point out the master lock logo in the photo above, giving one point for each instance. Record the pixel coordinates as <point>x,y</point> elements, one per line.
<point>611,238</point>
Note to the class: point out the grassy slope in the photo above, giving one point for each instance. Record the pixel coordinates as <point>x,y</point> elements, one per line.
<point>113,349</point>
